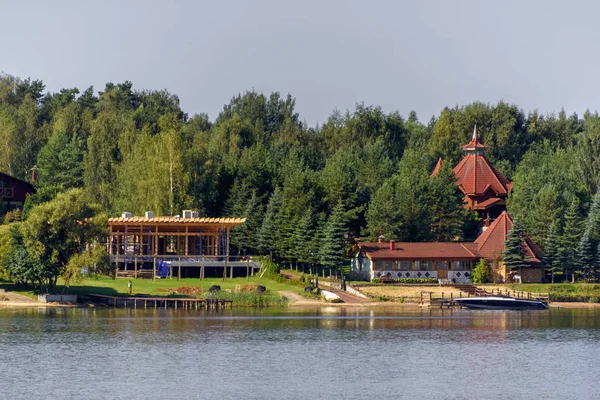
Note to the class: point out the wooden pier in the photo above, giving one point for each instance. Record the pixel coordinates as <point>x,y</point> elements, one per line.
<point>162,302</point>
<point>429,300</point>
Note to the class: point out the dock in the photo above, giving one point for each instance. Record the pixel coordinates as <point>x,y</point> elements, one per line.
<point>162,302</point>
<point>428,299</point>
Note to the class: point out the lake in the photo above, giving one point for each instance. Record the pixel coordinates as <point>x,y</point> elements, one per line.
<point>299,353</point>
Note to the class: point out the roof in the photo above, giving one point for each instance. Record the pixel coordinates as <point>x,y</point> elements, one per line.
<point>3,175</point>
<point>475,175</point>
<point>173,220</point>
<point>484,205</point>
<point>437,167</point>
<point>474,143</point>
<point>491,243</point>
<point>412,251</point>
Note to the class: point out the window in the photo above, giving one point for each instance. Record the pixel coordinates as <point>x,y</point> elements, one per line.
<point>388,265</point>
<point>405,265</point>
<point>378,264</point>
<point>425,266</point>
<point>417,265</point>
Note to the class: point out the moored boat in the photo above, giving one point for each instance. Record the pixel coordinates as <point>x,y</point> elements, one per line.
<point>500,303</point>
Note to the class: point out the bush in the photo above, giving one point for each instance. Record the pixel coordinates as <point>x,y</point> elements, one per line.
<point>481,272</point>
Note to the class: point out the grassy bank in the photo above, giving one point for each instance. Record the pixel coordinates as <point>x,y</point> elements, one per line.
<point>570,292</point>
<point>239,290</point>
<point>567,292</point>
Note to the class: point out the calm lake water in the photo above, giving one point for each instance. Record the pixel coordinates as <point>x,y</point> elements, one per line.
<point>384,353</point>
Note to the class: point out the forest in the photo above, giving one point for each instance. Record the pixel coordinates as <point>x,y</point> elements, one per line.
<point>307,192</point>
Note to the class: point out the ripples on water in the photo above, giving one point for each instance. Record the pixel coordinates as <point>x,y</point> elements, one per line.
<point>399,353</point>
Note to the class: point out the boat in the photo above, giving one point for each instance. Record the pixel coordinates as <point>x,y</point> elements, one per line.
<point>330,297</point>
<point>500,303</point>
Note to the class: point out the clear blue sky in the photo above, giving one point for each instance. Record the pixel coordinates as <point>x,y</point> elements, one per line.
<point>402,55</point>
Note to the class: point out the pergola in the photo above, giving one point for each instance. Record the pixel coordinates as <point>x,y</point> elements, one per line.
<point>181,242</point>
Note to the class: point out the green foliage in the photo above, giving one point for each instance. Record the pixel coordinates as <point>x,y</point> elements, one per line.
<point>481,272</point>
<point>136,150</point>
<point>57,240</point>
<point>333,246</point>
<point>514,251</point>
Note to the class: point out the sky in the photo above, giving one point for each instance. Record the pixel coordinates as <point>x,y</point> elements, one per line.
<point>400,55</point>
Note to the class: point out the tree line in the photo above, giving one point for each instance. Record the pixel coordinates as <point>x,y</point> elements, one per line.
<point>305,191</point>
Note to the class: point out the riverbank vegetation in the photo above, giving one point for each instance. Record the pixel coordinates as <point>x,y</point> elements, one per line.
<point>241,290</point>
<point>306,192</point>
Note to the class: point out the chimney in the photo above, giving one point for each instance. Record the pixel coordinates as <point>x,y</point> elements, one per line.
<point>380,239</point>
<point>149,214</point>
<point>126,214</point>
<point>392,245</point>
<point>194,214</point>
<point>187,213</point>
<point>34,175</point>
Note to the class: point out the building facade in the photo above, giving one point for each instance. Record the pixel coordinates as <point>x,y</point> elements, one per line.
<point>13,192</point>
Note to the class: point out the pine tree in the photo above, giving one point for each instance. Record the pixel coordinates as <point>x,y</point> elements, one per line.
<point>570,239</point>
<point>552,254</point>
<point>250,228</point>
<point>585,252</point>
<point>333,246</point>
<point>268,230</point>
<point>514,251</point>
<point>303,236</point>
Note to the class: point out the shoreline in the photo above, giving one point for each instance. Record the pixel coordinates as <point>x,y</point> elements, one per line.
<point>303,302</point>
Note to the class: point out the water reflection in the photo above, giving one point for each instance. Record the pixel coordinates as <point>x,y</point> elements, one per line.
<point>328,352</point>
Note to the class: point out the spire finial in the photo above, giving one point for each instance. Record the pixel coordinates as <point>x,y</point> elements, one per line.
<point>475,133</point>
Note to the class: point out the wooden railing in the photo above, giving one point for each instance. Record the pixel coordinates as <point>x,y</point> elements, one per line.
<point>517,294</point>
<point>7,192</point>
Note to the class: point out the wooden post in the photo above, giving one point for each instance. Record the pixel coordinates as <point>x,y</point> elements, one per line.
<point>134,266</point>
<point>179,270</point>
<point>154,269</point>
<point>202,268</point>
<point>117,257</point>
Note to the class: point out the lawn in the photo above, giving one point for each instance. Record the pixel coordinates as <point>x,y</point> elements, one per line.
<point>160,287</point>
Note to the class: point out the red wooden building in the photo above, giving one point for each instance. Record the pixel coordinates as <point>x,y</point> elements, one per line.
<point>485,191</point>
<point>13,192</point>
<point>484,187</point>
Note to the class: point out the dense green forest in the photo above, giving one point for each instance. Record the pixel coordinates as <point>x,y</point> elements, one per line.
<point>304,190</point>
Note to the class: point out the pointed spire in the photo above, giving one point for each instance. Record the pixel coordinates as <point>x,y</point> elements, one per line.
<point>474,144</point>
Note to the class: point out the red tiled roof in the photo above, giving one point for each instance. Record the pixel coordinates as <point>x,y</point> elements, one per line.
<point>475,175</point>
<point>490,244</point>
<point>437,167</point>
<point>415,251</point>
<point>488,203</point>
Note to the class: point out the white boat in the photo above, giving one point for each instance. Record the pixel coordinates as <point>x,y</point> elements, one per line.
<point>330,297</point>
<point>500,303</point>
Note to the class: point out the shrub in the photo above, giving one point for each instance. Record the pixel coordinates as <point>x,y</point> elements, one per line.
<point>481,272</point>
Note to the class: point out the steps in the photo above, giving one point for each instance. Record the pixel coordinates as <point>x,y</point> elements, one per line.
<point>470,289</point>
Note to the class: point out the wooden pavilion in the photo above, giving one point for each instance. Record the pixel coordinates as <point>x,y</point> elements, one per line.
<point>154,247</point>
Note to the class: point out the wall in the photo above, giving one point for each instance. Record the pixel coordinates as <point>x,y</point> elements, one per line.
<point>403,274</point>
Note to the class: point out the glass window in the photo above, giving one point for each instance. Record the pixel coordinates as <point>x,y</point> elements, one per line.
<point>417,265</point>
<point>405,265</point>
<point>388,265</point>
<point>378,264</point>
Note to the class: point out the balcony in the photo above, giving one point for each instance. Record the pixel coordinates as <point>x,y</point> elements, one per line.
<point>7,192</point>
